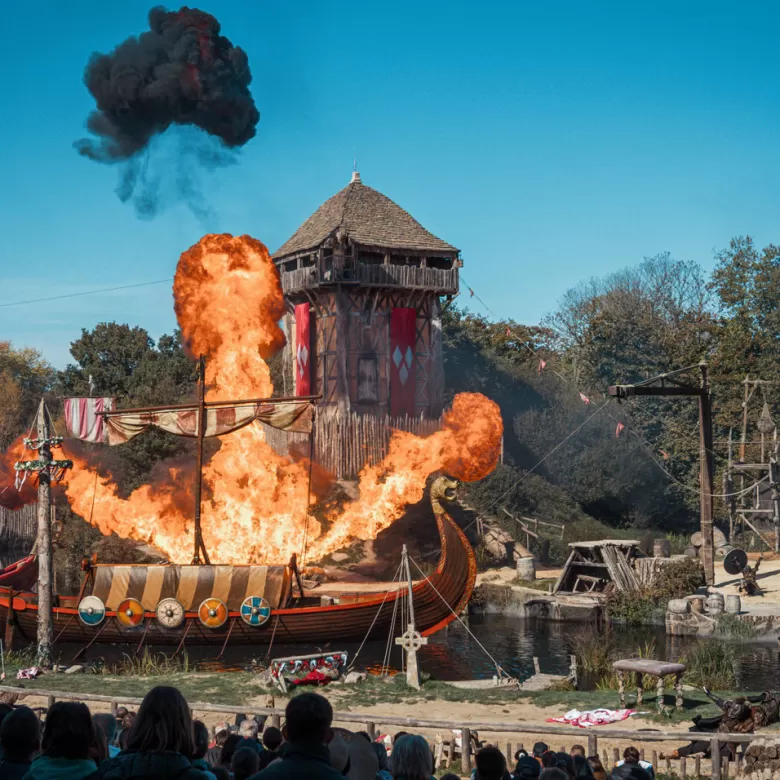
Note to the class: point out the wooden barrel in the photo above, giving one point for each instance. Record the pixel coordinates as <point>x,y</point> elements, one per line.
<point>697,604</point>
<point>696,539</point>
<point>678,606</point>
<point>722,552</point>
<point>526,569</point>
<point>715,603</point>
<point>733,604</point>
<point>691,551</point>
<point>718,538</point>
<point>662,548</point>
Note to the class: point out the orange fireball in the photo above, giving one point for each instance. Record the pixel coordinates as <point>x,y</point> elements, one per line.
<point>256,506</point>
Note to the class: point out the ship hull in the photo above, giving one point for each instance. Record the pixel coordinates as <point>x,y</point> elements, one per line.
<point>437,600</point>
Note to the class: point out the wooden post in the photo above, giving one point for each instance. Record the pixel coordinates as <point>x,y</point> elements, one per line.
<point>50,702</point>
<point>683,768</point>
<point>654,761</point>
<point>706,480</point>
<point>509,757</point>
<point>774,483</point>
<point>697,766</point>
<point>45,558</point>
<point>371,729</point>
<point>465,750</point>
<point>715,760</point>
<point>615,756</point>
<point>593,745</point>
<point>276,721</point>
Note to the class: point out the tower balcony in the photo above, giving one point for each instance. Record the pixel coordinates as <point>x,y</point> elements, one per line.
<point>443,281</point>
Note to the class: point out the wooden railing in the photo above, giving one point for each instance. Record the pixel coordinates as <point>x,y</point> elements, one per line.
<point>549,732</point>
<point>443,280</point>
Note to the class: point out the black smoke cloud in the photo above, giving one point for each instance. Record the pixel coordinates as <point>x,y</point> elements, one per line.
<point>180,72</point>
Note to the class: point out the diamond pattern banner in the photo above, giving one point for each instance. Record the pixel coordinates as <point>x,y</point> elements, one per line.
<point>403,334</point>
<point>302,350</point>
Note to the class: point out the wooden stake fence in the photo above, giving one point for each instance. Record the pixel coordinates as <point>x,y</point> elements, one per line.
<point>370,723</point>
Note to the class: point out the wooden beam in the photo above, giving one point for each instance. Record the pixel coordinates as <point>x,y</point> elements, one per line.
<point>624,391</point>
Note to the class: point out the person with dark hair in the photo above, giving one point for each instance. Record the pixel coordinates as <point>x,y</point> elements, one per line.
<point>122,739</point>
<point>107,724</point>
<point>214,754</point>
<point>228,750</point>
<point>68,739</point>
<point>400,734</point>
<point>244,764</point>
<point>539,749</point>
<point>20,738</point>
<point>449,776</point>
<point>527,768</point>
<point>564,762</point>
<point>490,764</point>
<point>582,770</point>
<point>307,732</point>
<point>200,735</point>
<point>272,741</point>
<point>160,743</point>
<point>99,752</point>
<point>577,750</point>
<point>597,768</point>
<point>554,773</point>
<point>5,709</point>
<point>632,766</point>
<point>547,759</point>
<point>411,759</point>
<point>221,772</point>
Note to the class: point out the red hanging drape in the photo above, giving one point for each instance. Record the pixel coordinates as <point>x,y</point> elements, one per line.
<point>302,350</point>
<point>403,336</point>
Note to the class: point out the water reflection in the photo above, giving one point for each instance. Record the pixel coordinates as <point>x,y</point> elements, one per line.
<point>456,654</point>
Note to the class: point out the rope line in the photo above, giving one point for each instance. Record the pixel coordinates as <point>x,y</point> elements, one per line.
<point>427,579</point>
<point>81,294</point>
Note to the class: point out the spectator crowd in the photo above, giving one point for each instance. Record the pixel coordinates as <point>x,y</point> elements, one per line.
<point>162,740</point>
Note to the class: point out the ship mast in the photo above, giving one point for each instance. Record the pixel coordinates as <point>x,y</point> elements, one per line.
<point>200,547</point>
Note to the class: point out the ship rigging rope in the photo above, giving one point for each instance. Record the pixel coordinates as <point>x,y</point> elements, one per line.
<point>396,578</point>
<point>87,292</point>
<point>646,445</point>
<point>427,579</point>
<point>389,647</point>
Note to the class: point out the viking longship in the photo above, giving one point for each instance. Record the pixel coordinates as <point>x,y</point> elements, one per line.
<point>209,604</point>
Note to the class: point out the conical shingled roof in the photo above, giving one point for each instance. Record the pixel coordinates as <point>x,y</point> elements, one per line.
<point>369,218</point>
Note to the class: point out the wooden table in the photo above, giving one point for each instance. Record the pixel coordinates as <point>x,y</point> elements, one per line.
<point>659,669</point>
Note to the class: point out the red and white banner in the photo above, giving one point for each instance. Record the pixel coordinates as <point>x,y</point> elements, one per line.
<point>302,350</point>
<point>403,337</point>
<point>83,421</point>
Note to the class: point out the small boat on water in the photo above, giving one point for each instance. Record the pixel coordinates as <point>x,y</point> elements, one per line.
<point>205,604</point>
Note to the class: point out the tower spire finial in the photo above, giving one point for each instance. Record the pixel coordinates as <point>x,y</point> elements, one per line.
<point>355,174</point>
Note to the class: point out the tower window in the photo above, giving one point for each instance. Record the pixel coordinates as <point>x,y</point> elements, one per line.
<point>368,385</point>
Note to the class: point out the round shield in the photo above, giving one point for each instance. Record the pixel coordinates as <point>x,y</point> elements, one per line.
<point>735,561</point>
<point>130,613</point>
<point>255,611</point>
<point>91,611</point>
<point>213,613</point>
<point>170,613</point>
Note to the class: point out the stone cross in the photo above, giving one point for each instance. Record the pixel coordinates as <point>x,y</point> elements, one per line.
<point>412,641</point>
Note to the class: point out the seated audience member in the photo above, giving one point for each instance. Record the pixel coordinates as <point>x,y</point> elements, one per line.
<point>272,741</point>
<point>229,750</point>
<point>577,750</point>
<point>564,762</point>
<point>338,750</point>
<point>363,760</point>
<point>490,765</point>
<point>631,766</point>
<point>398,736</point>
<point>548,759</point>
<point>107,724</point>
<point>248,731</point>
<point>539,749</point>
<point>553,773</point>
<point>20,738</point>
<point>307,732</point>
<point>582,770</point>
<point>599,773</point>
<point>383,762</point>
<point>200,736</point>
<point>5,709</point>
<point>449,776</point>
<point>411,759</point>
<point>221,772</point>
<point>119,715</point>
<point>99,752</point>
<point>527,768</point>
<point>68,739</point>
<point>245,761</point>
<point>121,742</point>
<point>214,754</point>
<point>160,743</point>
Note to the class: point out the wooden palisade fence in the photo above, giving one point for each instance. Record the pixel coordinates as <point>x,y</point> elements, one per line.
<point>554,735</point>
<point>18,527</point>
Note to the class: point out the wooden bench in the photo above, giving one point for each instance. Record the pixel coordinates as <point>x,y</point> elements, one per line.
<point>659,669</point>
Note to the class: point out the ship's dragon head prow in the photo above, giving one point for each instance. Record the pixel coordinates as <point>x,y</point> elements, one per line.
<point>443,488</point>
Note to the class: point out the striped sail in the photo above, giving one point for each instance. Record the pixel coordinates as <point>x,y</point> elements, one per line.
<point>190,585</point>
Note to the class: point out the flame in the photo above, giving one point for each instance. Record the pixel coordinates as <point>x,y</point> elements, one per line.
<point>257,504</point>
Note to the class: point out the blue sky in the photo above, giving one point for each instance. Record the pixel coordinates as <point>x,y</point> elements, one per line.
<point>550,141</point>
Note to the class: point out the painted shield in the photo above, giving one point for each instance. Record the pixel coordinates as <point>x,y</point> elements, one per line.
<point>213,613</point>
<point>91,611</point>
<point>130,613</point>
<point>170,613</point>
<point>255,611</point>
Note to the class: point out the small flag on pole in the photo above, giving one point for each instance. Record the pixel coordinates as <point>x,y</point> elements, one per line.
<point>664,454</point>
<point>542,365</point>
<point>585,398</point>
<point>619,429</point>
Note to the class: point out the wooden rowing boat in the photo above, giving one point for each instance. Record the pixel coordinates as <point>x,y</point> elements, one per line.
<point>437,599</point>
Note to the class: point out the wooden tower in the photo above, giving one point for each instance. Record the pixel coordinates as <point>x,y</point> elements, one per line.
<point>364,282</point>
